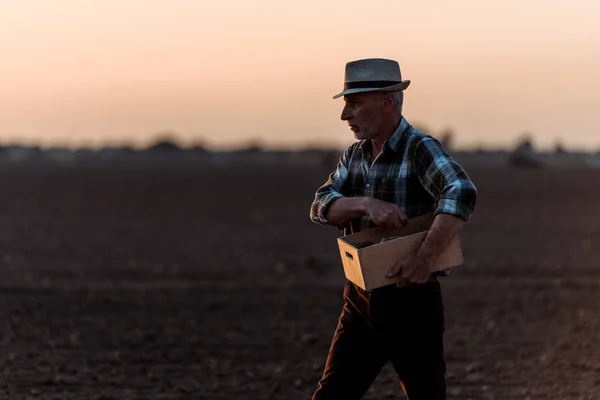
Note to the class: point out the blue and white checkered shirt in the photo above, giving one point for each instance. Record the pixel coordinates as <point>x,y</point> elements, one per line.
<point>413,171</point>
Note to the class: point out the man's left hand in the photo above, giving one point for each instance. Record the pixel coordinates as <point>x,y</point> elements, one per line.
<point>412,270</point>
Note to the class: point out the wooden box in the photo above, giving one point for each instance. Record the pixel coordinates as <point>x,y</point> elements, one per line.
<point>367,262</point>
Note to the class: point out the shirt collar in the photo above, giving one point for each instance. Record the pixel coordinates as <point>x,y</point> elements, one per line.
<point>393,142</point>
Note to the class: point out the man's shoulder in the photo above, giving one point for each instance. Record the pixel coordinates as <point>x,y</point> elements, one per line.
<point>416,134</point>
<point>418,137</point>
<point>351,149</point>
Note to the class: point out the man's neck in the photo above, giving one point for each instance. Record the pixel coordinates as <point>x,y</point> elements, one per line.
<point>388,130</point>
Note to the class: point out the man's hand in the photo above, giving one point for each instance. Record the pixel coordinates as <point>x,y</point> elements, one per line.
<point>387,215</point>
<point>412,270</point>
<point>416,268</point>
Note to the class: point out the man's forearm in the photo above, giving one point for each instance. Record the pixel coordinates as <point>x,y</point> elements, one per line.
<point>443,229</point>
<point>346,208</point>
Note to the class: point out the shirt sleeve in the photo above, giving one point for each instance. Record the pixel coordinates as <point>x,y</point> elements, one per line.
<point>444,179</point>
<point>331,190</point>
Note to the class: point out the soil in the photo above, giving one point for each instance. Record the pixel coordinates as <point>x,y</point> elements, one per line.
<point>182,281</point>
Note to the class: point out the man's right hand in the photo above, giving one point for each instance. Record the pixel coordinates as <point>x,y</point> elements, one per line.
<point>387,215</point>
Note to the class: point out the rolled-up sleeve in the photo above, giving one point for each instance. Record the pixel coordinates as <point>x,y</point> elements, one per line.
<point>332,190</point>
<point>445,179</point>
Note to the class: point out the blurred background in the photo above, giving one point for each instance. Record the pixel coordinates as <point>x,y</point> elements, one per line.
<point>158,161</point>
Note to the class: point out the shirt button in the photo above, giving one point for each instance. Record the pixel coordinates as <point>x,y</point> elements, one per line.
<point>368,185</point>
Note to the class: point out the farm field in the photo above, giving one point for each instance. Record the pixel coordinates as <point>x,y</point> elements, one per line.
<point>210,282</point>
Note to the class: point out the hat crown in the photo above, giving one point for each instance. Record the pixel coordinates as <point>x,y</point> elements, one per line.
<point>373,69</point>
<point>372,75</point>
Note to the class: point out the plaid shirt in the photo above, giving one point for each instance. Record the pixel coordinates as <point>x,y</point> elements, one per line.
<point>413,171</point>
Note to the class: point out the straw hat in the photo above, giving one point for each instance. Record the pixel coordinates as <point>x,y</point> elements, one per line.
<point>372,75</point>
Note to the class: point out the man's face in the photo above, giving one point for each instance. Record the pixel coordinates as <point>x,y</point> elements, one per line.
<point>364,114</point>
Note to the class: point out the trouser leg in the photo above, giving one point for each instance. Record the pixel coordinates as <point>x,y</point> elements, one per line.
<point>356,355</point>
<point>413,321</point>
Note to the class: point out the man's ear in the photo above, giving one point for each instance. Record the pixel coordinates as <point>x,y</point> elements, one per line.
<point>388,102</point>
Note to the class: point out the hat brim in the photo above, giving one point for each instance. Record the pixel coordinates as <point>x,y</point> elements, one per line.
<point>400,86</point>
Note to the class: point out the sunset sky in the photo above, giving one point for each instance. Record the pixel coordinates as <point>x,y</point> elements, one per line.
<point>89,72</point>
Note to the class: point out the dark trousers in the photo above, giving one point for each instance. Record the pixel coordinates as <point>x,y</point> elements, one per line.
<point>401,325</point>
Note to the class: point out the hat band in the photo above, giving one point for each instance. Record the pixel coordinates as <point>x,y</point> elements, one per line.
<point>369,84</point>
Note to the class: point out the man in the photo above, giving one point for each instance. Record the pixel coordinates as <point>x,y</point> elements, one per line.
<point>394,172</point>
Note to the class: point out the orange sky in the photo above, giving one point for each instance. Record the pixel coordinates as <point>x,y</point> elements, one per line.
<point>94,72</point>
